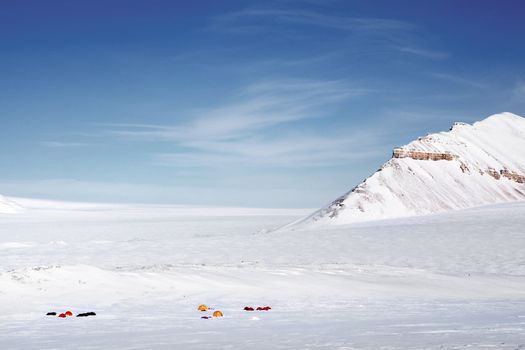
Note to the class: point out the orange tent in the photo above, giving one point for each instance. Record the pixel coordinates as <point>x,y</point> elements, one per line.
<point>202,308</point>
<point>217,314</point>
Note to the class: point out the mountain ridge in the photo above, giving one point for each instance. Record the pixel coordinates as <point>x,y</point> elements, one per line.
<point>467,166</point>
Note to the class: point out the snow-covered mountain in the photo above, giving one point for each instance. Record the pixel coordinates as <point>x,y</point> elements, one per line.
<point>468,166</point>
<point>7,206</point>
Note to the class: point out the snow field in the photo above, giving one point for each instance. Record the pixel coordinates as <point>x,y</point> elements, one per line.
<point>453,281</point>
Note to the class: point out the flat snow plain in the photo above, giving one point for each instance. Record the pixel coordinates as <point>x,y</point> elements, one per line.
<point>447,281</point>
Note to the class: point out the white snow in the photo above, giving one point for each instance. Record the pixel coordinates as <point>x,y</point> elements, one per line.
<point>407,187</point>
<point>452,281</point>
<point>7,206</point>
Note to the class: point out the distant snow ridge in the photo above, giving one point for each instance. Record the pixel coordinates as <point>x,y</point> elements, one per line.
<point>468,166</point>
<point>7,206</point>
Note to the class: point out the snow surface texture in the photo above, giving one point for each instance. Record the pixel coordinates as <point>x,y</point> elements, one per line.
<point>446,281</point>
<point>468,166</point>
<point>7,206</point>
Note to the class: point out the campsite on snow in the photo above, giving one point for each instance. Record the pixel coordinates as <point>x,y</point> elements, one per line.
<point>262,174</point>
<point>371,270</point>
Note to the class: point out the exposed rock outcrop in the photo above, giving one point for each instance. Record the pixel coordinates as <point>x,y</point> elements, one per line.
<point>512,175</point>
<point>419,155</point>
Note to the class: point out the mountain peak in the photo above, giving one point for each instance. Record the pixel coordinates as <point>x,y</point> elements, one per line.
<point>505,118</point>
<point>467,166</point>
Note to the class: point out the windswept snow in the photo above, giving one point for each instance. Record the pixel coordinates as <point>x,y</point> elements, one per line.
<point>8,206</point>
<point>478,164</point>
<point>447,281</point>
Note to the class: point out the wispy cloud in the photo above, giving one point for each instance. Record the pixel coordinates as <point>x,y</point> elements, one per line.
<point>61,144</point>
<point>302,61</point>
<point>351,24</point>
<point>518,92</point>
<point>288,150</point>
<point>290,23</point>
<point>312,2</point>
<point>368,33</point>
<point>425,53</point>
<point>459,80</point>
<point>250,131</point>
<point>258,106</point>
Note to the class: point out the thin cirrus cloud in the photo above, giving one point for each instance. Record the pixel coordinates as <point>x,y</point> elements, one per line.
<point>258,106</point>
<point>351,24</point>
<point>367,32</point>
<point>256,129</point>
<point>459,80</point>
<point>518,92</point>
<point>288,151</point>
<point>303,61</point>
<point>61,144</point>
<point>424,53</point>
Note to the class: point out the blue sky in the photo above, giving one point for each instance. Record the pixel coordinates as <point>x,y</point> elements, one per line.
<point>242,103</point>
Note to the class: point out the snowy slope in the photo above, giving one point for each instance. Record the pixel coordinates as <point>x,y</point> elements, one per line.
<point>468,166</point>
<point>7,206</point>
